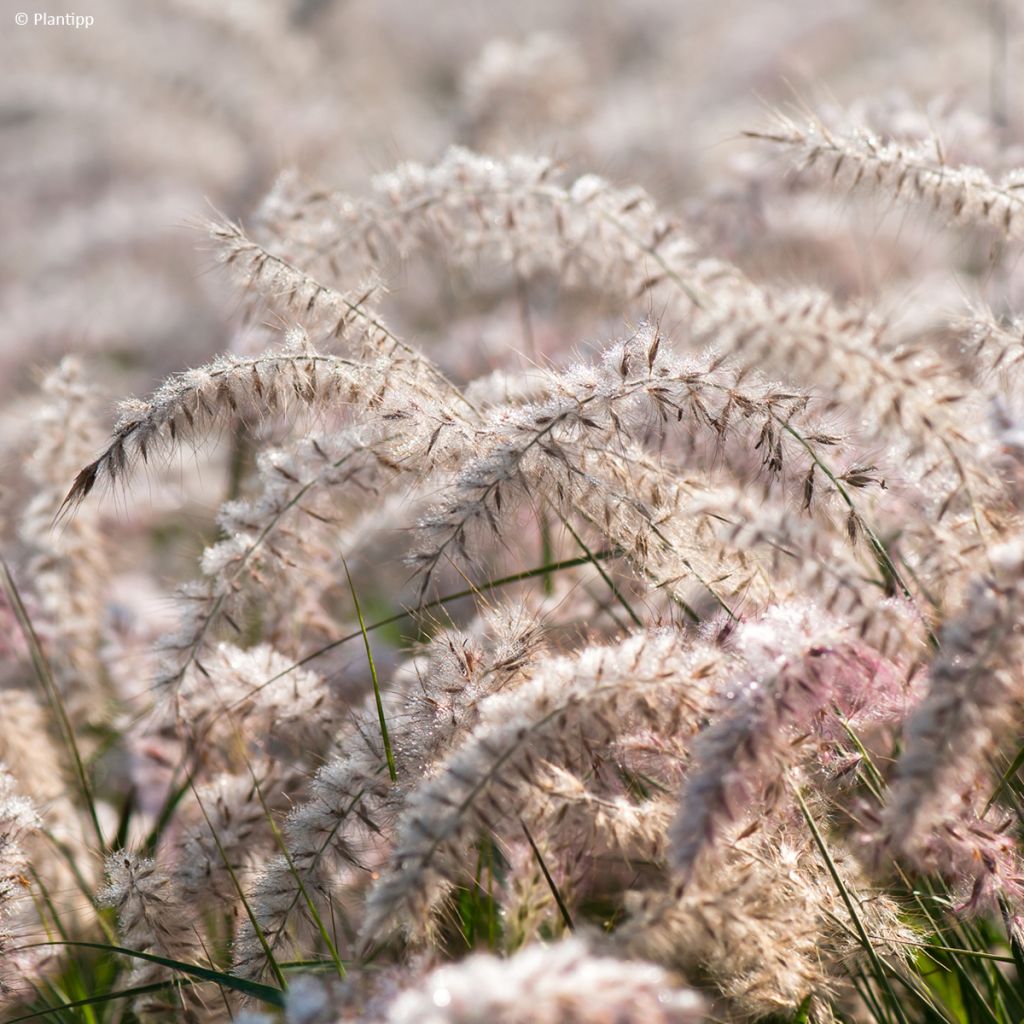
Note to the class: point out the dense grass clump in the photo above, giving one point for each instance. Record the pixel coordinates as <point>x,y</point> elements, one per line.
<point>601,614</point>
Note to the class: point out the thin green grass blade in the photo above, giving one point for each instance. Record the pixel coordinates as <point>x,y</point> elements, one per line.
<point>310,905</point>
<point>440,602</point>
<point>876,963</point>
<point>547,553</point>
<point>124,820</point>
<point>1012,937</point>
<point>323,846</point>
<point>170,805</point>
<point>954,983</point>
<point>102,914</point>
<point>637,621</point>
<point>264,993</point>
<point>562,908</point>
<point>97,1000</point>
<point>53,695</point>
<point>867,993</point>
<point>388,752</point>
<point>1005,779</point>
<point>241,895</point>
<point>974,946</point>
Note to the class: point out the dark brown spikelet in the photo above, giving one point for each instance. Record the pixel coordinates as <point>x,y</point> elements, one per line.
<point>82,487</point>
